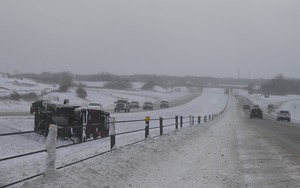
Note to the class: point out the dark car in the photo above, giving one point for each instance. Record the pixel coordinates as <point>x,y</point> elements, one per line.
<point>122,104</point>
<point>256,113</point>
<point>134,104</point>
<point>164,104</point>
<point>246,107</point>
<point>148,106</point>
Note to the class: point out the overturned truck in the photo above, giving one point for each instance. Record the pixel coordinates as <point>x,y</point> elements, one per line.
<point>74,122</point>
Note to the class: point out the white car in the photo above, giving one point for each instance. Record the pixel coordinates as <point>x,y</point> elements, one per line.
<point>96,106</point>
<point>283,115</point>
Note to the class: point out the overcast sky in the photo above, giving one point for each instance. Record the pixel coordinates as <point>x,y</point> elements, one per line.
<point>222,38</point>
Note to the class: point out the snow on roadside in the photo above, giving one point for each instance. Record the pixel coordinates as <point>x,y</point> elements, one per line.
<point>7,85</point>
<point>190,157</point>
<point>208,102</point>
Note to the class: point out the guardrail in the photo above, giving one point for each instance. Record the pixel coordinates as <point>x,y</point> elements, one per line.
<point>179,122</point>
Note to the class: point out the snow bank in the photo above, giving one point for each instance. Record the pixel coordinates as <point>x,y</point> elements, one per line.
<point>190,157</point>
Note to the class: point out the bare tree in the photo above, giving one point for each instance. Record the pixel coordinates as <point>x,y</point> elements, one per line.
<point>65,81</point>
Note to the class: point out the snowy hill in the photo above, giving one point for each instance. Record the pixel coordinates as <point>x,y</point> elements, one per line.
<point>95,93</point>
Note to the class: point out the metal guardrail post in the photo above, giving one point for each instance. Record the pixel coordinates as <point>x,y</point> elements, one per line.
<point>176,122</point>
<point>181,121</point>
<point>161,126</point>
<point>147,122</point>
<point>193,120</point>
<point>112,133</point>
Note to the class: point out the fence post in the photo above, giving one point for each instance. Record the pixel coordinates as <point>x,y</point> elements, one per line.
<point>181,122</point>
<point>193,120</point>
<point>199,119</point>
<point>147,122</point>
<point>161,125</point>
<point>50,147</point>
<point>176,122</point>
<point>112,133</point>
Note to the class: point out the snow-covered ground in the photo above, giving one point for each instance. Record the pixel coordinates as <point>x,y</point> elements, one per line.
<point>205,155</point>
<point>95,93</point>
<point>211,101</point>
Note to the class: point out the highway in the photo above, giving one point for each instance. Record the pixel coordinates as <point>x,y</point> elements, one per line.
<point>269,150</point>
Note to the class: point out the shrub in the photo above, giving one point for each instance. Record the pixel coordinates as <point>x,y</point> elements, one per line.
<point>65,81</point>
<point>120,84</point>
<point>15,96</point>
<point>149,85</point>
<point>30,96</point>
<point>81,92</point>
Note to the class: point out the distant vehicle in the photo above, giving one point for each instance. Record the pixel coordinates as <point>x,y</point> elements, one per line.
<point>122,105</point>
<point>283,115</point>
<point>148,106</point>
<point>226,91</point>
<point>255,106</point>
<point>246,107</point>
<point>256,113</point>
<point>270,106</point>
<point>134,104</point>
<point>96,106</point>
<point>236,93</point>
<point>164,104</point>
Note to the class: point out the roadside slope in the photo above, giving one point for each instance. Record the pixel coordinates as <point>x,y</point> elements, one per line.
<point>197,156</point>
<point>200,156</point>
